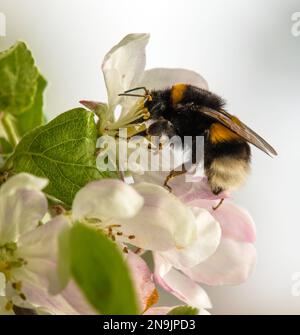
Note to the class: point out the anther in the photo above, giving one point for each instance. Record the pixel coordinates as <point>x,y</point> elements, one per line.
<point>22,296</point>
<point>9,306</point>
<point>17,286</point>
<point>125,250</point>
<point>131,237</point>
<point>146,116</point>
<point>138,250</point>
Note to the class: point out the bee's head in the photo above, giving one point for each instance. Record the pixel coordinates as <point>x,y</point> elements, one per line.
<point>153,100</point>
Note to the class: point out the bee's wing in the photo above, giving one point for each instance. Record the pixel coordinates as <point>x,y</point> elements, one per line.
<point>239,128</point>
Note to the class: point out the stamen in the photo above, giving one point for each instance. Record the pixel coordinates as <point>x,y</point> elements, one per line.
<point>131,237</point>
<point>9,306</point>
<point>3,266</point>
<point>17,286</point>
<point>125,250</point>
<point>58,209</point>
<point>146,115</point>
<point>138,250</point>
<point>22,296</point>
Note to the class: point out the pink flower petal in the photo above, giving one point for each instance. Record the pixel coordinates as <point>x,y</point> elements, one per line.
<point>70,302</point>
<point>204,246</point>
<point>196,188</point>
<point>163,310</point>
<point>230,265</point>
<point>235,222</point>
<point>179,285</point>
<point>143,280</point>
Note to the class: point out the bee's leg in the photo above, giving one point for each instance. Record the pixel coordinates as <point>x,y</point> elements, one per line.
<point>151,145</point>
<point>172,175</point>
<point>218,205</point>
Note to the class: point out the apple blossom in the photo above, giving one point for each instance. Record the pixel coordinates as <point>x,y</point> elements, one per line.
<point>230,264</point>
<point>144,215</point>
<point>124,68</point>
<point>28,250</point>
<point>149,217</point>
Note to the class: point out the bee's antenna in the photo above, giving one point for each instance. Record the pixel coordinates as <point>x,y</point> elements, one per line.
<point>131,95</point>
<point>138,88</point>
<point>147,94</point>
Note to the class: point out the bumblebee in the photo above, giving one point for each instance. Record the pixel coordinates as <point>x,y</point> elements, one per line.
<point>186,110</point>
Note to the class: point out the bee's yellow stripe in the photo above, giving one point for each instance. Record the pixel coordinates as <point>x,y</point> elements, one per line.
<point>177,92</point>
<point>219,133</point>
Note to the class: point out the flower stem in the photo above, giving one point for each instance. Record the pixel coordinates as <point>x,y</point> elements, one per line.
<point>9,130</point>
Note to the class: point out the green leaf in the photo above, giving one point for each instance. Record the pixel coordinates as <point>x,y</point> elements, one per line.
<point>34,116</point>
<point>184,310</point>
<point>5,147</point>
<point>18,79</point>
<point>21,92</point>
<point>62,151</point>
<point>100,271</point>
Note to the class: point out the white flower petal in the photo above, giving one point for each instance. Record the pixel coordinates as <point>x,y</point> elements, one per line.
<point>208,239</point>
<point>59,279</point>
<point>20,212</point>
<point>69,302</point>
<point>179,285</point>
<point>147,235</point>
<point>160,78</point>
<point>123,66</point>
<point>39,248</point>
<point>22,180</point>
<point>107,198</point>
<point>164,222</point>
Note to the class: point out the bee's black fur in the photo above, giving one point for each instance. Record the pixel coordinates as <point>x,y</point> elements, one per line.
<point>184,116</point>
<point>185,120</point>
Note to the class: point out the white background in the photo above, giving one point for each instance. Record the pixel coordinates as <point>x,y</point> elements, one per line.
<point>247,53</point>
